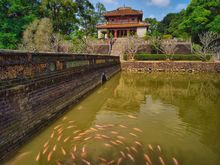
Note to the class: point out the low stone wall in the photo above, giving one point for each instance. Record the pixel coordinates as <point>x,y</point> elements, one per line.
<point>182,48</point>
<point>28,104</point>
<point>171,66</point>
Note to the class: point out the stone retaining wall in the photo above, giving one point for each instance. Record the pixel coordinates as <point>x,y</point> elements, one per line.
<point>28,104</point>
<point>171,66</point>
<point>181,48</point>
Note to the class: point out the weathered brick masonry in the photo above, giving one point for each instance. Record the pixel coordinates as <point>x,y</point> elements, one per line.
<point>41,88</point>
<point>171,66</point>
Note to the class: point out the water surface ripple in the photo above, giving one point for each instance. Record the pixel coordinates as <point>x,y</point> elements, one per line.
<point>136,118</point>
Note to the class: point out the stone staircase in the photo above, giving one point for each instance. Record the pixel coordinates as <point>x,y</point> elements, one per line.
<point>118,47</point>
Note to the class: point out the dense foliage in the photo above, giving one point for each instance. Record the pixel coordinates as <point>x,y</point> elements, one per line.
<point>68,18</point>
<point>77,19</point>
<point>15,15</point>
<point>200,16</point>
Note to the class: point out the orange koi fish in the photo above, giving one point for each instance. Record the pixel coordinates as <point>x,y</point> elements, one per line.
<point>138,143</point>
<point>131,157</point>
<point>121,137</point>
<point>119,141</point>
<point>122,126</point>
<point>150,147</point>
<point>86,162</point>
<point>45,150</point>
<point>147,158</point>
<point>132,134</point>
<point>65,140</point>
<point>93,129</point>
<point>59,138</point>
<point>138,130</point>
<point>114,132</point>
<point>161,161</point>
<point>38,157</point>
<point>111,162</point>
<point>52,135</point>
<point>63,151</point>
<point>123,154</point>
<point>71,126</point>
<point>132,117</point>
<point>73,156</point>
<point>49,156</point>
<point>77,131</point>
<point>58,126</point>
<point>102,159</point>
<point>107,145</point>
<point>134,149</point>
<point>74,148</point>
<point>119,161</point>
<point>87,138</point>
<point>55,147</point>
<point>175,161</point>
<point>158,147</point>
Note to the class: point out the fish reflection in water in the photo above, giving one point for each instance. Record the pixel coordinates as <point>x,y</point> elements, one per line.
<point>78,148</point>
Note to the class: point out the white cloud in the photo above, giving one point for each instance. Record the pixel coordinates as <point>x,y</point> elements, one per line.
<point>110,2</point>
<point>160,3</point>
<point>181,6</point>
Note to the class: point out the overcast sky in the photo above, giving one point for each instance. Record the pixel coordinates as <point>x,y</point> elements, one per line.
<point>151,8</point>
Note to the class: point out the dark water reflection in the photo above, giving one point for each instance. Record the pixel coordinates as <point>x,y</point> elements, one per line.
<point>178,112</point>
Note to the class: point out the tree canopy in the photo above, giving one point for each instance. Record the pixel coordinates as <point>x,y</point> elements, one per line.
<point>200,16</point>
<point>67,17</point>
<point>15,15</point>
<point>79,18</point>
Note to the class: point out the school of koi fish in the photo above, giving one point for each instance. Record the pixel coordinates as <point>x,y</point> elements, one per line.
<point>117,145</point>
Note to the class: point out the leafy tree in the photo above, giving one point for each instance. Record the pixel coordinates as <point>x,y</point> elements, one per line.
<point>90,17</point>
<point>215,24</point>
<point>164,25</point>
<point>200,15</point>
<point>15,15</point>
<point>153,24</point>
<point>62,13</point>
<point>100,9</point>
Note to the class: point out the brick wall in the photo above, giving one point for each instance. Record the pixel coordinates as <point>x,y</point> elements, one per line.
<point>171,66</point>
<point>28,105</point>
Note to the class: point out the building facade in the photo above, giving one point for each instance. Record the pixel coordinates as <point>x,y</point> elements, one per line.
<point>123,22</point>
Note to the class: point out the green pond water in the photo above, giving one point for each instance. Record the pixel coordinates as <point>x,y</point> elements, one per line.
<point>136,118</point>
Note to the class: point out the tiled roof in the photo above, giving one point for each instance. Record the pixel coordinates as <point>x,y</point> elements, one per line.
<point>123,11</point>
<point>125,25</point>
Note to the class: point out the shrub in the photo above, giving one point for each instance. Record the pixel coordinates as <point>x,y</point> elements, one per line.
<point>167,37</point>
<point>175,57</point>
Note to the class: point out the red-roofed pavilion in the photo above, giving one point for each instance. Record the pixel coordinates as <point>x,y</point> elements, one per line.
<point>123,22</point>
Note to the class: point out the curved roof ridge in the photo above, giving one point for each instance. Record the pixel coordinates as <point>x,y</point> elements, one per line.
<point>123,11</point>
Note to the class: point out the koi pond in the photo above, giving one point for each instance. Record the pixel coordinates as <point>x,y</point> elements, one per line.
<point>135,118</point>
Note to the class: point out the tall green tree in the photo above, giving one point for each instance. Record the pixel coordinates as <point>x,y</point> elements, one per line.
<point>100,9</point>
<point>153,29</point>
<point>63,14</point>
<point>90,17</point>
<point>15,15</point>
<point>201,16</point>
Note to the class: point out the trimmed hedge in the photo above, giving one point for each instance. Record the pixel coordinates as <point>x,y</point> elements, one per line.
<point>175,57</point>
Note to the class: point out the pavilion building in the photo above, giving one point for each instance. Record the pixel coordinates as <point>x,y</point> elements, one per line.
<point>123,22</point>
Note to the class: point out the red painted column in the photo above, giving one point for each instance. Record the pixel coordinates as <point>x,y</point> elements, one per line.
<point>115,34</point>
